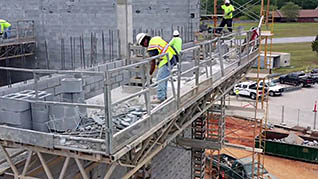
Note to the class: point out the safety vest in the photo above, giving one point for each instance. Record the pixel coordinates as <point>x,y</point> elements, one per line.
<point>4,25</point>
<point>228,11</point>
<point>162,47</point>
<point>176,42</point>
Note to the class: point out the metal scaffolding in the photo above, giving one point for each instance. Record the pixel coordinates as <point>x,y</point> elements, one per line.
<point>199,105</point>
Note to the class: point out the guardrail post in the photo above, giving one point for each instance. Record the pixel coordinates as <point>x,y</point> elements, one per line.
<point>147,94</point>
<point>240,48</point>
<point>170,77</point>
<point>220,57</point>
<point>108,113</point>
<point>211,62</point>
<point>179,80</point>
<point>197,65</point>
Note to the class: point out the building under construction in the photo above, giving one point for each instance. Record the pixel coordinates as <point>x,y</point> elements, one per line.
<point>76,93</point>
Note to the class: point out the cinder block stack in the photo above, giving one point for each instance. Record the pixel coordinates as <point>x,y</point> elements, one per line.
<point>68,117</point>
<point>16,112</point>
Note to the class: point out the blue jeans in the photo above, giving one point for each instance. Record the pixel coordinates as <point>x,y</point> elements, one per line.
<point>163,73</point>
<point>7,33</point>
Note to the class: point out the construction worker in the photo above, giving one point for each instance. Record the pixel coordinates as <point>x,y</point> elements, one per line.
<point>228,16</point>
<point>157,46</point>
<point>5,28</point>
<point>176,42</point>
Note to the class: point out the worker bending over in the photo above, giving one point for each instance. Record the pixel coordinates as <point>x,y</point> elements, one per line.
<point>5,28</point>
<point>157,46</point>
<point>228,16</point>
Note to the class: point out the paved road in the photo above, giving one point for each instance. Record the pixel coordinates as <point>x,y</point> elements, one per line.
<point>292,40</point>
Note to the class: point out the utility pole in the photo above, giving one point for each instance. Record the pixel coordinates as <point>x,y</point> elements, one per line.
<point>125,26</point>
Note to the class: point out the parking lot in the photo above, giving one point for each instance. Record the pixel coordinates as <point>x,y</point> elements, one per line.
<point>298,104</point>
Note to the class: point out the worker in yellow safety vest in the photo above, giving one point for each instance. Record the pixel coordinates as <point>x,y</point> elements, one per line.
<point>157,46</point>
<point>228,16</point>
<point>5,28</point>
<point>176,43</point>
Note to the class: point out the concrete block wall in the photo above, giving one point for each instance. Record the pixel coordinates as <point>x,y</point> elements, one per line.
<point>57,19</point>
<point>172,162</point>
<point>92,85</point>
<point>165,14</point>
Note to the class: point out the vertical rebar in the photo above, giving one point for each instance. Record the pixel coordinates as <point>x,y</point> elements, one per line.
<point>80,51</point>
<point>103,46</point>
<point>83,50</point>
<point>91,55</point>
<point>46,55</point>
<point>71,56</point>
<point>62,54</point>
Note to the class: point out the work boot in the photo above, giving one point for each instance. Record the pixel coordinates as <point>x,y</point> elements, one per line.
<point>155,100</point>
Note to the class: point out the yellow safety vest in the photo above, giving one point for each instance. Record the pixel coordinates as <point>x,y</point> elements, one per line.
<point>228,11</point>
<point>4,25</point>
<point>162,47</point>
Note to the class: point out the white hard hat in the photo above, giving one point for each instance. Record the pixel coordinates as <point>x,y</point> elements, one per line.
<point>140,37</point>
<point>227,1</point>
<point>175,33</point>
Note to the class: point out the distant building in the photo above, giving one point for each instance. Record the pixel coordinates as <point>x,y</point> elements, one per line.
<point>275,59</point>
<point>305,15</point>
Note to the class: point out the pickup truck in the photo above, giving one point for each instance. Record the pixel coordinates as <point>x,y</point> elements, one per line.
<point>273,88</point>
<point>232,168</point>
<point>297,79</point>
<point>248,89</point>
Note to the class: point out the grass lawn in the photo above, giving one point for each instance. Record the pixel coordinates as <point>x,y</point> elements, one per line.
<point>287,29</point>
<point>302,56</point>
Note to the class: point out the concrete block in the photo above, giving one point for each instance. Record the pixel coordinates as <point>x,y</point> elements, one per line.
<point>72,85</point>
<point>67,97</point>
<point>110,66</point>
<point>63,118</point>
<point>8,103</point>
<point>19,119</point>
<point>54,81</point>
<point>42,127</point>
<point>40,113</point>
<point>58,90</point>
<point>119,78</point>
<point>78,98</point>
<point>102,68</point>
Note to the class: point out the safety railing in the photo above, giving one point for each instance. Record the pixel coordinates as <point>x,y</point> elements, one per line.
<point>211,63</point>
<point>20,30</point>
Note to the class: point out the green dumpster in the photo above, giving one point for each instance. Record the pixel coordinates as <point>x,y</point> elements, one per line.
<point>291,151</point>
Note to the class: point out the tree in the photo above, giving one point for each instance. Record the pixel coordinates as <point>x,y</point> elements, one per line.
<point>314,45</point>
<point>290,10</point>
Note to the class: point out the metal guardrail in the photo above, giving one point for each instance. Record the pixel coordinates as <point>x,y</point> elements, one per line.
<point>210,50</point>
<point>21,30</point>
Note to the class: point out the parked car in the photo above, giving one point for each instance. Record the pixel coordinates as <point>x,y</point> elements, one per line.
<point>314,77</point>
<point>273,88</point>
<point>233,168</point>
<point>297,78</point>
<point>314,71</point>
<point>248,89</point>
